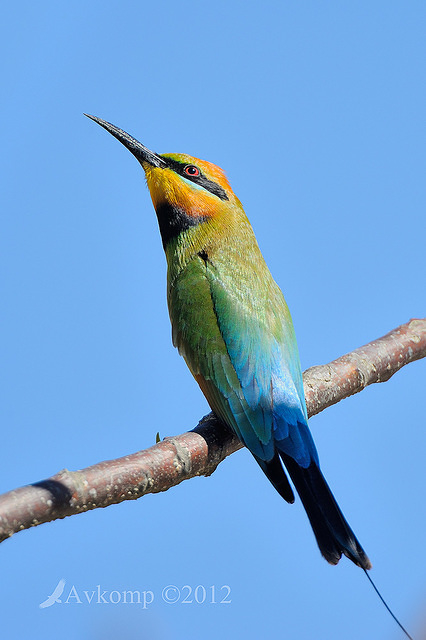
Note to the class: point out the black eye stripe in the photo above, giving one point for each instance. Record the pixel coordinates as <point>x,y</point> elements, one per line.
<point>200,179</point>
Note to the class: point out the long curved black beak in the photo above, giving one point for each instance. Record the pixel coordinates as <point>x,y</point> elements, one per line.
<point>141,153</point>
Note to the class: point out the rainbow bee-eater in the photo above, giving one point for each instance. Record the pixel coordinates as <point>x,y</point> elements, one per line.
<point>231,324</point>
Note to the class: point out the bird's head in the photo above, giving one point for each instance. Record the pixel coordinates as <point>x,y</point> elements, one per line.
<point>185,191</point>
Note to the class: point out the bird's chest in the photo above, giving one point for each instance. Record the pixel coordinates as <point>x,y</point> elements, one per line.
<point>215,300</point>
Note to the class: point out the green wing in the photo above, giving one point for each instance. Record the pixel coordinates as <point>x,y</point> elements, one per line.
<point>233,339</point>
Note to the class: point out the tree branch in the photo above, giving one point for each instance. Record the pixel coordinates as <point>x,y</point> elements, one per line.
<point>199,452</point>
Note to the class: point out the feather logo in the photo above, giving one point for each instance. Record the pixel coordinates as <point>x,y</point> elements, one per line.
<point>56,595</point>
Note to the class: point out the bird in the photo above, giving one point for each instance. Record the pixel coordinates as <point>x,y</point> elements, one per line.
<point>231,324</point>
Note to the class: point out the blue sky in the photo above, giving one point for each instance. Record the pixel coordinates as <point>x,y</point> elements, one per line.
<point>316,112</point>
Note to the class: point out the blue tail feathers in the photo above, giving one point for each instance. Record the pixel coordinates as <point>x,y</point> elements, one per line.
<point>275,473</point>
<point>333,533</point>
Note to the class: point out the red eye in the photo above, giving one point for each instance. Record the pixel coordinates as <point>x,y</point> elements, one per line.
<point>192,171</point>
